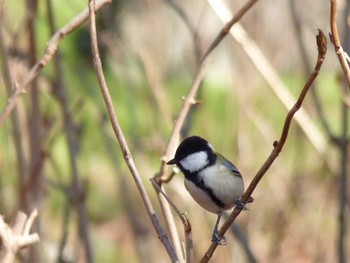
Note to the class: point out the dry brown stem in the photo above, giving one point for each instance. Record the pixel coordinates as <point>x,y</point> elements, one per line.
<point>278,145</point>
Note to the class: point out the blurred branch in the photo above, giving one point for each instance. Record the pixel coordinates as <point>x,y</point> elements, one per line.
<point>343,147</point>
<point>271,77</point>
<point>196,40</point>
<point>77,197</point>
<point>197,56</point>
<point>50,51</point>
<point>343,143</point>
<point>342,56</point>
<point>242,239</point>
<point>16,237</point>
<point>17,129</point>
<point>121,139</point>
<point>308,68</point>
<point>278,145</point>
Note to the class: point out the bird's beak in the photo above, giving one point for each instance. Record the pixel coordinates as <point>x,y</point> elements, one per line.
<point>171,162</point>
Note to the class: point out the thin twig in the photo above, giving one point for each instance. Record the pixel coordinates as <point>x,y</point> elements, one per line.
<point>186,223</point>
<point>121,139</point>
<point>183,218</point>
<point>337,46</point>
<point>278,145</point>
<point>50,51</point>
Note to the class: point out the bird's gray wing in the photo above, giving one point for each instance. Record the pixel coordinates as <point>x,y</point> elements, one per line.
<point>228,164</point>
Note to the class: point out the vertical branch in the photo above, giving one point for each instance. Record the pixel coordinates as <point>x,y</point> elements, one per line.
<point>343,199</point>
<point>9,83</point>
<point>307,68</point>
<point>77,189</point>
<point>121,139</point>
<point>344,159</point>
<point>278,145</point>
<point>35,130</point>
<point>336,42</point>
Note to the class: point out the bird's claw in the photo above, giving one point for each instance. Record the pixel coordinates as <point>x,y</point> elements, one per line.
<point>240,205</point>
<point>219,241</point>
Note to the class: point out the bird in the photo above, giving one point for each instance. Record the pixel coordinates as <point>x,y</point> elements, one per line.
<point>212,180</point>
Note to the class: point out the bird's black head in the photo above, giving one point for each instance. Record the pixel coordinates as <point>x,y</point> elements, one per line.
<point>193,154</point>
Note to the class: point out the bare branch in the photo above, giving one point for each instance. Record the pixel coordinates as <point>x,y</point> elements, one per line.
<point>278,145</point>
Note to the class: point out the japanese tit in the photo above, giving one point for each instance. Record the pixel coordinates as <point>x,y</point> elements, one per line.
<point>213,181</point>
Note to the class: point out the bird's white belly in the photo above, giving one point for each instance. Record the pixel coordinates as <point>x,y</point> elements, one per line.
<point>202,198</point>
<point>226,186</point>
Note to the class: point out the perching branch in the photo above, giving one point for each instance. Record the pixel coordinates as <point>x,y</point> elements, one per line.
<point>16,237</point>
<point>162,176</point>
<point>278,145</point>
<point>49,53</point>
<point>121,139</point>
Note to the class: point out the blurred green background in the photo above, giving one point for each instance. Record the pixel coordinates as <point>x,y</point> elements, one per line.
<point>150,59</point>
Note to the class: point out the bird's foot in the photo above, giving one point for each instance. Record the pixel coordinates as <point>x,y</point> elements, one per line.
<point>217,240</point>
<point>241,205</point>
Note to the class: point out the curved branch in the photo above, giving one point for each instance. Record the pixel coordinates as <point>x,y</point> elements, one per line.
<point>278,145</point>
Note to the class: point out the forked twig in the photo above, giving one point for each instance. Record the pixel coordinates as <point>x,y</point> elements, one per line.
<point>16,237</point>
<point>278,145</point>
<point>186,223</point>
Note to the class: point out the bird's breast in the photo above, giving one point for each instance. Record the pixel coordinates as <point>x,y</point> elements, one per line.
<point>223,185</point>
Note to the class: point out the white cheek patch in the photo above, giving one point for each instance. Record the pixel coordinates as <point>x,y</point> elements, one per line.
<point>195,161</point>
